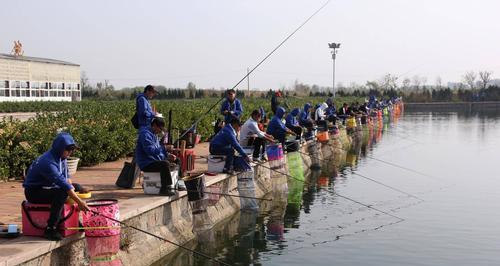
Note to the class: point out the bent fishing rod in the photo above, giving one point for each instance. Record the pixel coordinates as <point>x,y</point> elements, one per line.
<point>161,238</point>
<point>255,67</point>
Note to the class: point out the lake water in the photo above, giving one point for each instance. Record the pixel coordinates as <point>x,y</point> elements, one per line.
<point>457,159</point>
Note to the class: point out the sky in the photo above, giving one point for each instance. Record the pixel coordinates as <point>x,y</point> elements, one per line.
<point>212,42</point>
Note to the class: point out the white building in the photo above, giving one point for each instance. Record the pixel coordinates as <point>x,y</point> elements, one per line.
<point>24,78</point>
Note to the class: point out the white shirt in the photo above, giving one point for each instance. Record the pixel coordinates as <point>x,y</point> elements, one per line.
<point>250,129</point>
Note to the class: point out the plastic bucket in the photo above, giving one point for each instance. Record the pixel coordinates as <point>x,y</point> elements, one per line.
<point>274,152</point>
<point>292,145</point>
<point>323,136</point>
<point>103,226</point>
<point>195,186</point>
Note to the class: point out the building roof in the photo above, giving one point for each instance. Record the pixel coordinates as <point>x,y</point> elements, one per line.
<point>36,59</point>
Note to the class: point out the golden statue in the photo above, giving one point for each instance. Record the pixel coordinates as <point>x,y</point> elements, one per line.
<point>18,48</point>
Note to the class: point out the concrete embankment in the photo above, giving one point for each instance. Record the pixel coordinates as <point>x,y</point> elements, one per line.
<point>168,217</point>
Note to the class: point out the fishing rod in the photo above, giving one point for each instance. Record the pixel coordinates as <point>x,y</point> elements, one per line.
<point>344,197</point>
<point>162,238</point>
<point>256,66</point>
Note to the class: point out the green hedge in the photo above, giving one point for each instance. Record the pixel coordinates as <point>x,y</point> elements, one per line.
<point>102,129</point>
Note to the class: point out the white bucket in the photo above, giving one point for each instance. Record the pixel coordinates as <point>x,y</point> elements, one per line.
<point>152,182</point>
<point>216,163</point>
<point>72,163</point>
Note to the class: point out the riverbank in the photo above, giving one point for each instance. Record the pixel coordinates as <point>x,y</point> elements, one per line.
<point>169,217</point>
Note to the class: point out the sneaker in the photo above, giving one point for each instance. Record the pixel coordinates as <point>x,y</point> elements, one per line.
<point>52,234</point>
<point>264,158</point>
<point>181,187</point>
<point>167,192</point>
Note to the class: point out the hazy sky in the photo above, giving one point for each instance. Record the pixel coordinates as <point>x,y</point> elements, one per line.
<point>212,42</point>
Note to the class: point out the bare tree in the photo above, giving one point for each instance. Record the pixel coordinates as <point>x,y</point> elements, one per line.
<point>406,84</point>
<point>417,81</point>
<point>485,78</point>
<point>439,82</point>
<point>470,79</point>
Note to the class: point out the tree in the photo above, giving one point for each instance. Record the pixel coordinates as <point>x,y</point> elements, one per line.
<point>485,78</point>
<point>439,82</point>
<point>406,84</point>
<point>470,79</point>
<point>417,81</point>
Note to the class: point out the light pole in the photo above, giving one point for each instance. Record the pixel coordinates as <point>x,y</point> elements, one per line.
<point>334,47</point>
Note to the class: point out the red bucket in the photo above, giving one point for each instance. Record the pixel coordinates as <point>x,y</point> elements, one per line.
<point>97,224</point>
<point>104,250</point>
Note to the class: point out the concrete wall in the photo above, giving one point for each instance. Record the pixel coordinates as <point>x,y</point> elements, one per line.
<point>37,71</point>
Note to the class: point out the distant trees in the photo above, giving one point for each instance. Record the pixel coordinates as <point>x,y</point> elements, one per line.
<point>470,79</point>
<point>485,78</point>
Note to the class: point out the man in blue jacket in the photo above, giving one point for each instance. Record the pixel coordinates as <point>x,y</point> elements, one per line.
<point>305,116</point>
<point>151,156</point>
<point>145,113</point>
<point>292,122</point>
<point>225,142</point>
<point>277,128</point>
<point>48,182</point>
<point>231,107</point>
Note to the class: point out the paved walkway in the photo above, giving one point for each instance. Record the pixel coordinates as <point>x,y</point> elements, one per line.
<point>100,179</point>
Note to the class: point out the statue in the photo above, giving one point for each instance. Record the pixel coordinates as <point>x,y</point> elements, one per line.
<point>18,48</point>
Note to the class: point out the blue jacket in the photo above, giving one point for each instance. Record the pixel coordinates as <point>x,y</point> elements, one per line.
<point>49,170</point>
<point>148,148</point>
<point>235,107</point>
<point>227,137</point>
<point>144,111</point>
<point>276,127</point>
<point>291,118</point>
<point>304,115</point>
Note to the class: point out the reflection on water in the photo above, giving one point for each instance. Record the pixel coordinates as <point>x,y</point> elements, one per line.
<point>307,224</point>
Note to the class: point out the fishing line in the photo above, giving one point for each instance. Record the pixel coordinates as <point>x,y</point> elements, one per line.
<point>382,184</point>
<point>256,66</point>
<point>370,179</point>
<point>344,197</point>
<point>161,238</point>
<point>227,194</point>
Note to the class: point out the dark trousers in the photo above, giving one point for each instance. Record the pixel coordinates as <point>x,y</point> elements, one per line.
<point>322,123</point>
<point>227,151</point>
<point>332,119</point>
<point>164,169</point>
<point>307,124</point>
<point>297,130</point>
<point>56,197</point>
<point>259,146</point>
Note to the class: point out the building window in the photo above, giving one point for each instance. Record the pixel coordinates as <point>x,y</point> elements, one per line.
<point>4,93</point>
<point>18,84</point>
<point>53,93</point>
<point>78,86</point>
<point>35,85</point>
<point>23,93</point>
<point>44,85</point>
<point>4,84</point>
<point>25,85</point>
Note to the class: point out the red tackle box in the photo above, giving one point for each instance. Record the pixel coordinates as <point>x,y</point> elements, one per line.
<point>187,159</point>
<point>35,218</point>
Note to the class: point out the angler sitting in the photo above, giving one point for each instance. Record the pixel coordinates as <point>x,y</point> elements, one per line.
<point>277,128</point>
<point>343,113</point>
<point>151,156</point>
<point>320,116</point>
<point>231,108</point>
<point>292,123</point>
<point>48,182</point>
<point>331,111</point>
<point>225,142</point>
<point>252,135</point>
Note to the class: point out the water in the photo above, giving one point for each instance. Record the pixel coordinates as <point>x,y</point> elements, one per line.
<point>311,225</point>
